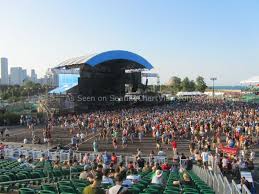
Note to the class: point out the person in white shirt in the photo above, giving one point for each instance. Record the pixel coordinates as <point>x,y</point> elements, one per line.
<point>205,157</point>
<point>25,141</point>
<point>82,136</point>
<point>158,178</point>
<point>7,133</point>
<point>21,159</point>
<point>42,158</point>
<point>224,162</point>
<point>118,188</point>
<point>252,155</point>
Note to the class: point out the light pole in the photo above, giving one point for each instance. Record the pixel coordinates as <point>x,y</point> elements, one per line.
<point>213,79</point>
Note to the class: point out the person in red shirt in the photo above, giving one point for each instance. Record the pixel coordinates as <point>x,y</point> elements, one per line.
<point>165,166</point>
<point>174,146</point>
<point>114,159</point>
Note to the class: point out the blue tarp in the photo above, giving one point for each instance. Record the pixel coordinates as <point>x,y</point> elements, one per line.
<point>62,89</point>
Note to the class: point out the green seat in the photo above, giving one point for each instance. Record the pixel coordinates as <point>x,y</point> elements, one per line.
<point>189,189</point>
<point>47,187</point>
<point>5,187</point>
<point>66,183</point>
<point>21,176</point>
<point>134,190</point>
<point>66,193</point>
<point>46,192</point>
<point>153,191</point>
<point>171,192</point>
<point>36,175</point>
<point>11,175</point>
<point>207,191</point>
<point>66,189</point>
<point>27,173</point>
<point>26,191</point>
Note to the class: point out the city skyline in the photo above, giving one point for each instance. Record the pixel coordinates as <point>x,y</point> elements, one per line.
<point>180,38</point>
<point>15,75</point>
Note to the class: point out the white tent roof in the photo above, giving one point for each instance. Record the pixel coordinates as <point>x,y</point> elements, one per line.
<point>189,93</point>
<point>252,80</point>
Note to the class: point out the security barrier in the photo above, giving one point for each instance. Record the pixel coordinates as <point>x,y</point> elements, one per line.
<point>62,155</point>
<point>157,159</point>
<point>218,182</point>
<point>235,188</point>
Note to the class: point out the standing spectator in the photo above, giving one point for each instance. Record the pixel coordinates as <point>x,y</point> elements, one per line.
<point>74,141</point>
<point>205,158</point>
<point>2,133</point>
<point>174,146</point>
<point>7,133</point>
<point>114,159</point>
<point>106,160</point>
<point>95,146</point>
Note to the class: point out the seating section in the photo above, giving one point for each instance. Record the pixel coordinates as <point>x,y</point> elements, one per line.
<point>145,187</point>
<point>200,185</point>
<point>22,177</point>
<point>45,179</point>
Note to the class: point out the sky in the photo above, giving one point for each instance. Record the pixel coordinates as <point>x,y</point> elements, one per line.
<point>211,38</point>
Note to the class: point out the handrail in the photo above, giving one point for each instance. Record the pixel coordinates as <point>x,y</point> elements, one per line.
<point>245,190</point>
<point>235,188</point>
<point>220,183</point>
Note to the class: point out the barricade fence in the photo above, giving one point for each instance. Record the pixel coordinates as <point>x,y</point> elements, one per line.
<point>14,153</point>
<point>235,188</point>
<point>218,182</point>
<point>156,159</point>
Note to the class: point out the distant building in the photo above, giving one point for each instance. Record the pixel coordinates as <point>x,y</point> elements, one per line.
<point>24,76</point>
<point>33,76</point>
<point>50,78</point>
<point>4,71</point>
<point>18,76</point>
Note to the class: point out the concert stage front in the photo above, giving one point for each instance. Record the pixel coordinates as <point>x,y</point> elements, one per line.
<point>100,76</point>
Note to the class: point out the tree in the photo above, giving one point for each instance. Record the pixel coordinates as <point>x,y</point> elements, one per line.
<point>188,85</point>
<point>185,84</point>
<point>200,84</point>
<point>175,84</point>
<point>192,86</point>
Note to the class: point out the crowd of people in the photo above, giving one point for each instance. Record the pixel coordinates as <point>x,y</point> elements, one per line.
<point>208,124</point>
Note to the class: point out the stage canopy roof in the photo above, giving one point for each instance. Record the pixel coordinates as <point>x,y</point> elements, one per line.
<point>128,59</point>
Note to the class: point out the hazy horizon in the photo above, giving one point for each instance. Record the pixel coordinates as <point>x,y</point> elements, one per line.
<point>179,38</point>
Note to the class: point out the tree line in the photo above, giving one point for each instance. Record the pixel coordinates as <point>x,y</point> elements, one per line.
<point>186,85</point>
<point>16,93</point>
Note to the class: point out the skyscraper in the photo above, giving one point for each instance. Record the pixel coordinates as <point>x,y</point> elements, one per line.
<point>4,71</point>
<point>33,76</point>
<point>24,76</point>
<point>16,75</point>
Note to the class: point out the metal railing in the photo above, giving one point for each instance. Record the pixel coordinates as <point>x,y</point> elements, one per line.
<point>14,153</point>
<point>218,182</point>
<point>235,188</point>
<point>245,190</point>
<point>157,159</point>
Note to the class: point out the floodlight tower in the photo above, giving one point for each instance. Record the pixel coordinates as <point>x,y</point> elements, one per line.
<point>213,79</point>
